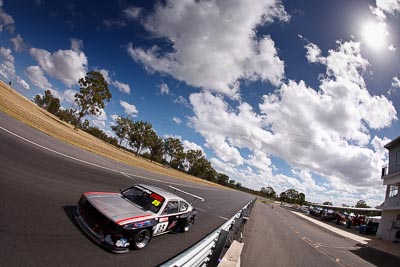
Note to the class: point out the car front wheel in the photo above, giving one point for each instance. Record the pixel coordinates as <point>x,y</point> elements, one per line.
<point>188,224</point>
<point>140,239</point>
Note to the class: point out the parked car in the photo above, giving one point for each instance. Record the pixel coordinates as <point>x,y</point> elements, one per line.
<point>305,209</point>
<point>371,226</point>
<point>131,218</point>
<point>329,215</point>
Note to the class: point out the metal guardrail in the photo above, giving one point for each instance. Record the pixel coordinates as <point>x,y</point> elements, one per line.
<point>201,253</point>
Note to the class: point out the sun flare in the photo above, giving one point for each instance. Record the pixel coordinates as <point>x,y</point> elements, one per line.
<point>375,34</point>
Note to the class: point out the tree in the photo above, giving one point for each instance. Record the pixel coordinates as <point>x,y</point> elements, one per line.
<point>100,134</point>
<point>68,115</point>
<point>328,203</point>
<point>193,161</point>
<point>361,204</point>
<point>48,102</point>
<point>156,147</point>
<point>301,199</point>
<point>292,196</point>
<point>268,191</point>
<point>222,178</point>
<point>93,91</point>
<point>205,170</point>
<point>139,135</point>
<point>283,197</point>
<point>173,148</point>
<point>238,185</point>
<point>122,128</point>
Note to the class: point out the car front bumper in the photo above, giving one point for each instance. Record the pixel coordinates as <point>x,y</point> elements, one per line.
<point>99,239</point>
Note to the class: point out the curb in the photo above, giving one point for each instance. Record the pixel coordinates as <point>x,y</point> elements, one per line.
<point>232,256</point>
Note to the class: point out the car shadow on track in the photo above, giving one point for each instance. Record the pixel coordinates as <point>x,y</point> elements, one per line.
<point>70,211</point>
<point>377,257</point>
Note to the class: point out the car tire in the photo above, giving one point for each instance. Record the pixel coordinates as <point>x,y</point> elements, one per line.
<point>140,239</point>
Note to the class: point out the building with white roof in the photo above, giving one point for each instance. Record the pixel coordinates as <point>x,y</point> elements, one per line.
<point>389,227</point>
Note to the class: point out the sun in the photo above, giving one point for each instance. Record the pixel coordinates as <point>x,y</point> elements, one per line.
<point>375,34</point>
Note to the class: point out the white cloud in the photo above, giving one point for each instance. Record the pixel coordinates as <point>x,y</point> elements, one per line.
<point>106,75</point>
<point>98,120</point>
<point>128,15</point>
<point>182,100</point>
<point>19,43</point>
<point>76,45</point>
<point>132,12</point>
<point>395,85</point>
<point>164,89</point>
<point>6,21</point>
<point>115,117</point>
<point>347,63</point>
<point>220,127</point>
<point>99,123</point>
<point>102,116</point>
<point>69,96</point>
<point>23,83</point>
<point>187,145</point>
<point>313,53</point>
<point>129,109</point>
<point>7,68</point>
<point>392,48</point>
<point>396,82</point>
<point>37,78</point>
<point>331,134</point>
<point>122,87</point>
<point>67,66</point>
<point>114,23</point>
<point>177,120</point>
<point>260,161</point>
<point>384,7</point>
<point>215,43</point>
<point>388,6</point>
<point>323,132</point>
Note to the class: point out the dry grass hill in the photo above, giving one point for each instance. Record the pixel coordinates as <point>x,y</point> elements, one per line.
<point>21,108</point>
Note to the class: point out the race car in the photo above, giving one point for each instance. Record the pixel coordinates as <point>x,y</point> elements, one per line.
<point>129,219</point>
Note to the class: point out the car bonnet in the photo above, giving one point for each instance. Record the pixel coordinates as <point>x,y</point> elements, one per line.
<point>116,208</point>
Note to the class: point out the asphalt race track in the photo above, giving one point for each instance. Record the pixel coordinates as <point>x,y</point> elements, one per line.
<point>41,180</point>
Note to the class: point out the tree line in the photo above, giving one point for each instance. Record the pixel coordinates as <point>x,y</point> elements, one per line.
<point>139,137</point>
<point>360,204</point>
<point>289,196</point>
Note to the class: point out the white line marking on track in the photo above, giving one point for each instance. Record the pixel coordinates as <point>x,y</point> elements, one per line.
<point>221,217</point>
<point>99,166</point>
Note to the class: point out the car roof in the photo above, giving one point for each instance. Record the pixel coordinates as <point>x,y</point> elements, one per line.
<point>164,193</point>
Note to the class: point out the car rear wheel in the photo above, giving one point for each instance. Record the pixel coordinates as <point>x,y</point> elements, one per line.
<point>141,238</point>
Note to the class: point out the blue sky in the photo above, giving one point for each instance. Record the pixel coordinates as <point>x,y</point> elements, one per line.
<point>288,94</point>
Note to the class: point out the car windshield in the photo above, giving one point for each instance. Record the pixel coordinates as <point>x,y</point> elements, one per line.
<point>144,198</point>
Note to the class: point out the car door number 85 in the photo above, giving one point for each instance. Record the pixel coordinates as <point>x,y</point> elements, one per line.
<point>161,227</point>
